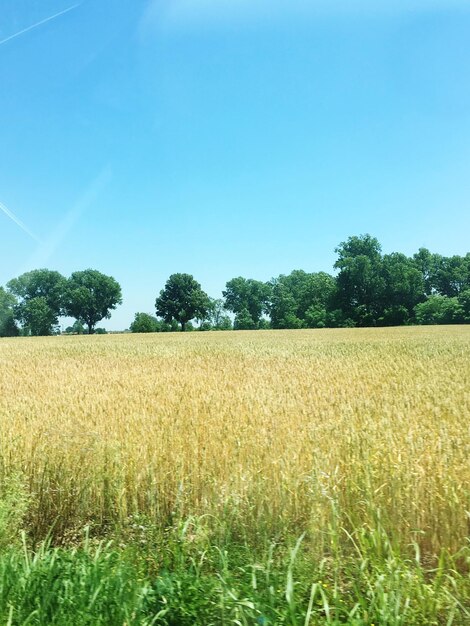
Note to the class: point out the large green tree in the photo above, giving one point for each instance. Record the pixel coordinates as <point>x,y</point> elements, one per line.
<point>8,327</point>
<point>38,317</point>
<point>445,276</point>
<point>90,296</point>
<point>283,306</point>
<point>40,300</point>
<point>360,283</point>
<point>182,300</point>
<point>403,288</point>
<point>427,263</point>
<point>301,299</point>
<point>248,299</point>
<point>453,275</point>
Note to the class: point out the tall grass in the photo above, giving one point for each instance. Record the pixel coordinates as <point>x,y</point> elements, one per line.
<point>269,430</point>
<point>187,583</point>
<point>357,440</point>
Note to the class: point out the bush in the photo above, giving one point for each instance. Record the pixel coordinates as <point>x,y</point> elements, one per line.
<point>145,323</point>
<point>439,310</point>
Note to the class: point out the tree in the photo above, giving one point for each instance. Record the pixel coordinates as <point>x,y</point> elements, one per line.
<point>90,296</point>
<point>301,299</point>
<point>283,307</point>
<point>247,297</point>
<point>427,263</point>
<point>445,276</point>
<point>40,300</point>
<point>244,321</point>
<point>464,301</point>
<point>439,310</point>
<point>38,317</point>
<point>8,327</point>
<point>216,318</point>
<point>453,275</point>
<point>77,328</point>
<point>360,282</point>
<point>404,288</point>
<point>144,323</point>
<point>182,300</point>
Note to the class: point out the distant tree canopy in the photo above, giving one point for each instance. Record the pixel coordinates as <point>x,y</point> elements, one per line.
<point>77,328</point>
<point>146,323</point>
<point>216,317</point>
<point>8,326</point>
<point>33,302</point>
<point>182,300</point>
<point>40,300</point>
<point>301,300</point>
<point>439,309</point>
<point>248,299</point>
<point>369,288</point>
<point>90,296</point>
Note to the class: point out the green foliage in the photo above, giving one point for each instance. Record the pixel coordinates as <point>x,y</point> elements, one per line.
<point>376,290</point>
<point>404,288</point>
<point>182,300</point>
<point>427,263</point>
<point>38,318</point>
<point>395,315</point>
<point>452,275</point>
<point>370,289</point>
<point>8,326</point>
<point>283,306</point>
<point>244,321</point>
<point>224,323</point>
<point>90,296</point>
<point>216,318</point>
<point>445,276</point>
<point>439,310</point>
<point>360,284</point>
<point>248,299</point>
<point>144,323</point>
<point>189,579</point>
<point>316,316</point>
<point>301,300</point>
<point>77,328</point>
<point>40,300</point>
<point>464,302</point>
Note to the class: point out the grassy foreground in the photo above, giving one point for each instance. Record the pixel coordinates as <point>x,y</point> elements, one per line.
<point>280,477</point>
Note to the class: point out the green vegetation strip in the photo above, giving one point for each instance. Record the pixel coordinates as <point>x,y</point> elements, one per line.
<point>183,578</point>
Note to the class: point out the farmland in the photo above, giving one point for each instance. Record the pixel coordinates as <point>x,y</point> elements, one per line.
<point>338,459</point>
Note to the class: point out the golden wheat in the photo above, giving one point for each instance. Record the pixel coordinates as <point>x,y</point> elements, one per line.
<point>271,429</point>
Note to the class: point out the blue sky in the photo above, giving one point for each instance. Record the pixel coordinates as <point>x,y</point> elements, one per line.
<point>229,137</point>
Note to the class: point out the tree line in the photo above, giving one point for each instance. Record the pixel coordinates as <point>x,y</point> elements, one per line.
<point>32,303</point>
<point>369,289</point>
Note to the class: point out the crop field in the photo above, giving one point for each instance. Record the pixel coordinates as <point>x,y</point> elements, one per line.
<point>353,443</point>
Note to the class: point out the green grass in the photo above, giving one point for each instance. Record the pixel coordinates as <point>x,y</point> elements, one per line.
<point>183,577</point>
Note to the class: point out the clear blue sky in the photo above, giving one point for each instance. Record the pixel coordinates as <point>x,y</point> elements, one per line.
<point>229,137</point>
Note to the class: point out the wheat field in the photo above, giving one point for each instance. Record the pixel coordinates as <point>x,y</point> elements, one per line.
<point>272,432</point>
